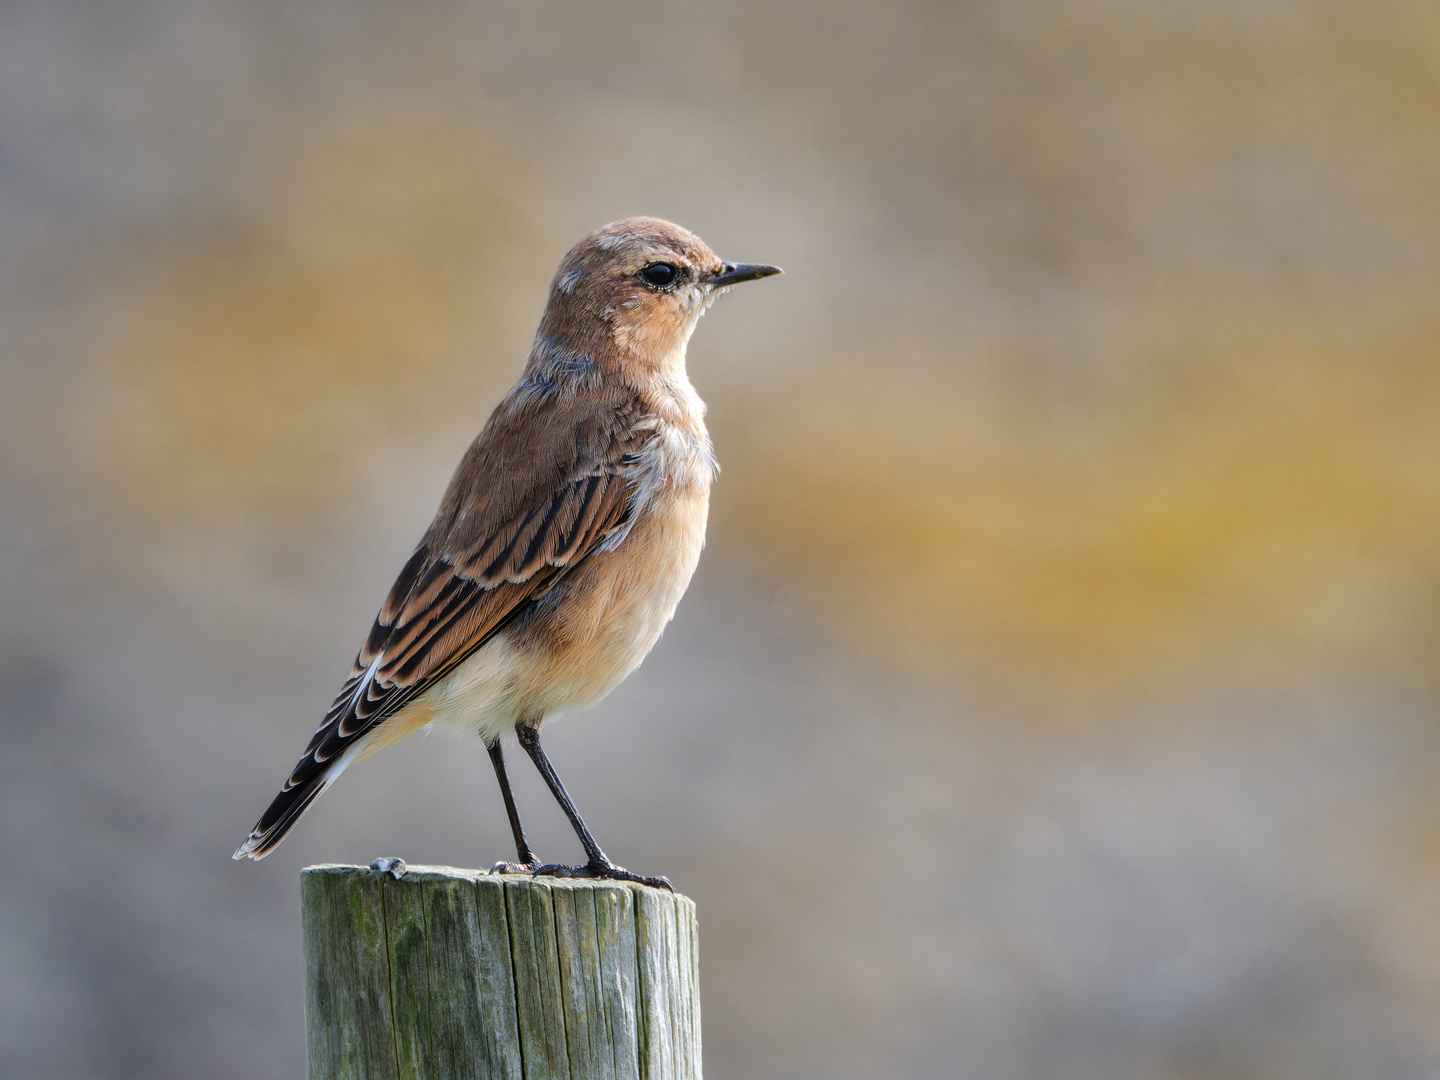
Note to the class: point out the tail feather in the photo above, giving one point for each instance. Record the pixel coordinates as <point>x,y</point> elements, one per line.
<point>282,815</point>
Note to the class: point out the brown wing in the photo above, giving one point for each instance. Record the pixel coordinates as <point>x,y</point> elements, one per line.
<point>445,606</point>
<point>494,549</point>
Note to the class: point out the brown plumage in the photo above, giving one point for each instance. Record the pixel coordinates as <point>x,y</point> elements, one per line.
<point>564,541</point>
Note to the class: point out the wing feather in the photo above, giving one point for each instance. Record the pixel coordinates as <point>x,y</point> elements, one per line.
<point>510,527</point>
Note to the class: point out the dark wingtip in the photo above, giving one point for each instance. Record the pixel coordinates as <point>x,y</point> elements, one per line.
<point>280,818</point>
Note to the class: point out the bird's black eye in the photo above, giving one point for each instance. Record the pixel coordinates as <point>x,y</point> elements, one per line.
<point>659,274</point>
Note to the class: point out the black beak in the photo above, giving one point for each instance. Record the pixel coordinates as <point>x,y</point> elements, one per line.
<point>732,273</point>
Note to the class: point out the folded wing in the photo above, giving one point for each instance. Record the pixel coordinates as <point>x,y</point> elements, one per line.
<point>493,550</point>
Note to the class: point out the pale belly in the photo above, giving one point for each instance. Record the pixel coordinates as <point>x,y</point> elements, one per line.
<point>613,611</point>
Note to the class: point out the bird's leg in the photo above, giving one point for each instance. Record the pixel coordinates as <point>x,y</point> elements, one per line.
<point>527,862</point>
<point>599,865</point>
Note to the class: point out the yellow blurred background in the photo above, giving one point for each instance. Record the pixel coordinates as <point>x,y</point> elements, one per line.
<point>1057,695</point>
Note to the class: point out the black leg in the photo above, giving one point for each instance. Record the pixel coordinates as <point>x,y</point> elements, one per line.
<point>599,864</point>
<point>526,862</point>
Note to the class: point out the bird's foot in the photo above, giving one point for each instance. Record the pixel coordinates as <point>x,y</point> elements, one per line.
<point>598,869</point>
<point>502,867</point>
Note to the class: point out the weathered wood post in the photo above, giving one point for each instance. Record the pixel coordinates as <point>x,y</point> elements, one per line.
<point>457,973</point>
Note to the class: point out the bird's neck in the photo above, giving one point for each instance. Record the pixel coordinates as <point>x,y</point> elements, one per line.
<point>651,365</point>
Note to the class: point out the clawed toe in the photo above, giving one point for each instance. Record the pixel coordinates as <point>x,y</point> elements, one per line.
<point>604,870</point>
<point>516,868</point>
<point>659,881</point>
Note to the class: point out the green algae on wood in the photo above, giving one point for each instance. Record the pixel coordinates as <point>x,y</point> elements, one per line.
<point>458,973</point>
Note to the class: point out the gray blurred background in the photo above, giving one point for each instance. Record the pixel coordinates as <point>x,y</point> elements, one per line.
<point>1057,695</point>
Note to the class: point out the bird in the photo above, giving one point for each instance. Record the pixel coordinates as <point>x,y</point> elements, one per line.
<point>563,543</point>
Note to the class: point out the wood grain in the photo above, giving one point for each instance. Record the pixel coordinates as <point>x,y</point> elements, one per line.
<point>456,973</point>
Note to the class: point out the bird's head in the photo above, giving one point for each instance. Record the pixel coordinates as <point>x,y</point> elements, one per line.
<point>635,289</point>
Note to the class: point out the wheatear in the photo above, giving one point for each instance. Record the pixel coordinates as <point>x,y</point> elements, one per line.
<point>564,541</point>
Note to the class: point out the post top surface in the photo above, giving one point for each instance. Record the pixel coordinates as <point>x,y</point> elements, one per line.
<point>436,874</point>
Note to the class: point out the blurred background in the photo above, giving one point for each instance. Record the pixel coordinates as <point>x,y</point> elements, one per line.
<point>1057,695</point>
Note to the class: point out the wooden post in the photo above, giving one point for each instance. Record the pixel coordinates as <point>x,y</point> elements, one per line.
<point>456,973</point>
